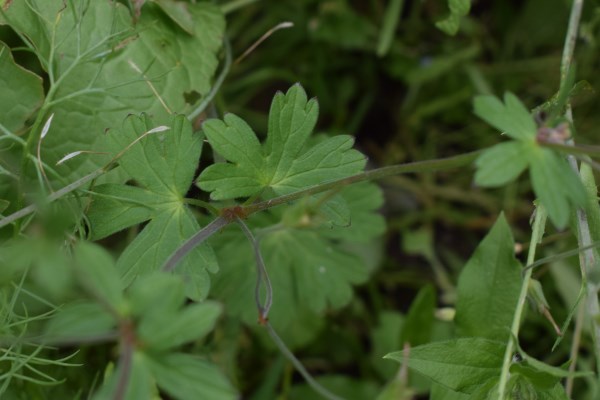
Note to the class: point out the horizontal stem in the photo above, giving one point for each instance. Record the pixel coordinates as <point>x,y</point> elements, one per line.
<point>379,173</point>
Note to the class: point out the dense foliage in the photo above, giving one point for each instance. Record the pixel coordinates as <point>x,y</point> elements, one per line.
<point>181,219</point>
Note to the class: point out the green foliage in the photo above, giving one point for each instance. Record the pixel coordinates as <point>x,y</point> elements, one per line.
<point>163,165</point>
<point>489,285</point>
<point>138,263</point>
<point>555,184</point>
<point>285,163</point>
<point>458,9</point>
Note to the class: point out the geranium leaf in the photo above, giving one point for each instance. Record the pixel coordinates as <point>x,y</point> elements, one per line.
<point>284,163</point>
<point>163,163</point>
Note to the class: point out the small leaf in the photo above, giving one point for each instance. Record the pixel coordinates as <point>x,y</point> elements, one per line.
<point>284,163</point>
<point>460,364</point>
<point>510,117</point>
<point>164,331</point>
<point>458,9</point>
<point>489,286</point>
<point>140,383</point>
<point>184,376</point>
<point>556,185</point>
<point>418,324</point>
<point>21,95</point>
<point>80,320</point>
<point>501,164</point>
<point>98,273</point>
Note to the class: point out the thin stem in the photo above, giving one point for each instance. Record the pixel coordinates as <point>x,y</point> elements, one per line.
<point>262,276</point>
<point>219,223</point>
<point>380,173</point>
<point>217,85</point>
<point>298,365</point>
<point>536,235</point>
<point>198,238</point>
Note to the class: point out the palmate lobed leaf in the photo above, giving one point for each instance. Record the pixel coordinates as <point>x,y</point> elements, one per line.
<point>310,267</point>
<point>284,163</point>
<point>163,163</point>
<point>558,188</point>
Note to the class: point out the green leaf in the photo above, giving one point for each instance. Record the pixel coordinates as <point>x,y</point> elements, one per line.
<point>21,95</point>
<point>489,286</point>
<point>159,239</point>
<point>161,332</point>
<point>283,164</point>
<point>140,384</point>
<point>95,83</point>
<point>510,117</point>
<point>116,207</point>
<point>419,320</point>
<point>458,9</point>
<point>159,293</point>
<point>556,185</point>
<point>459,364</point>
<point>80,320</point>
<point>163,163</point>
<point>180,14</point>
<point>96,269</point>
<point>390,22</point>
<point>185,377</point>
<point>502,163</point>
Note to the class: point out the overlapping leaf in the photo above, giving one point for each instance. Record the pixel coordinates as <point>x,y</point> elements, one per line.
<point>109,63</point>
<point>285,163</point>
<point>310,267</point>
<point>555,184</point>
<point>163,165</point>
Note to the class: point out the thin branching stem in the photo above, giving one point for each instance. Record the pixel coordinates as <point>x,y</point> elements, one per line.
<point>262,276</point>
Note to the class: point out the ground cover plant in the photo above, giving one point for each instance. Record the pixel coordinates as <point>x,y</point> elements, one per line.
<point>299,199</point>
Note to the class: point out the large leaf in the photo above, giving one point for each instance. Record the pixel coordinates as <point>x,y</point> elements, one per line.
<point>284,163</point>
<point>163,163</point>
<point>95,84</point>
<point>310,267</point>
<point>489,285</point>
<point>461,365</point>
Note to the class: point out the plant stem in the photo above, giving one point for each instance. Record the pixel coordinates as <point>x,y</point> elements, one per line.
<point>379,173</point>
<point>536,236</point>
<point>587,259</point>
